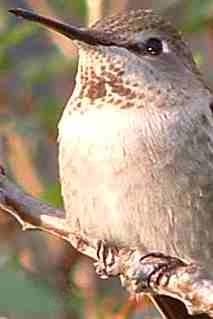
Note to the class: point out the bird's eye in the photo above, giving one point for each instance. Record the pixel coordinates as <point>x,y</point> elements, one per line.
<point>153,46</point>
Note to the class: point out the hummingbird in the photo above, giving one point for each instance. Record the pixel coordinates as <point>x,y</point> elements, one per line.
<point>136,140</point>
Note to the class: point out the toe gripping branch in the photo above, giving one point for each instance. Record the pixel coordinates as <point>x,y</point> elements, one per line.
<point>158,274</point>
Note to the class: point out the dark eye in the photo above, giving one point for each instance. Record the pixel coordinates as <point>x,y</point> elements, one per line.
<point>153,46</point>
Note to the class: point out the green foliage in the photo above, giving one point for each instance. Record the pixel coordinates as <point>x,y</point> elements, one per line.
<point>53,195</point>
<point>17,34</point>
<point>12,38</point>
<point>48,112</point>
<point>5,62</point>
<point>74,7</point>
<point>24,296</point>
<point>80,7</point>
<point>198,13</point>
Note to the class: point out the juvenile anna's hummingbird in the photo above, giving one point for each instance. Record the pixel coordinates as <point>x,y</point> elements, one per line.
<point>136,139</point>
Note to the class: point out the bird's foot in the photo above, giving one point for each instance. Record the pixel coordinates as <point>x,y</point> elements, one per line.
<point>159,267</point>
<point>147,272</point>
<point>107,264</point>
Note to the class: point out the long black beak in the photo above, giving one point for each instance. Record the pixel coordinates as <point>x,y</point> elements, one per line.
<point>89,36</point>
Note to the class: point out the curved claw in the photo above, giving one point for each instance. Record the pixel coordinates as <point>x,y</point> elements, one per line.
<point>164,267</point>
<point>106,264</point>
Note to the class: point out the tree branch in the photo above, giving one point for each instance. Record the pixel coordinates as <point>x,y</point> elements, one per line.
<point>32,214</point>
<point>188,283</point>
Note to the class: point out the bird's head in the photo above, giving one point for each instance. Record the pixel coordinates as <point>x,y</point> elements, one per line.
<point>138,55</point>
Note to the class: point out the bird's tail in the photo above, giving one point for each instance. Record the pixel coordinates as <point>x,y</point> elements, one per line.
<point>170,308</point>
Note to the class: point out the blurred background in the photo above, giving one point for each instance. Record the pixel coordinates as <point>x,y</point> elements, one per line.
<point>40,276</point>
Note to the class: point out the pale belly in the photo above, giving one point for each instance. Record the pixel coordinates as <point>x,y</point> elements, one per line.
<point>118,188</point>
